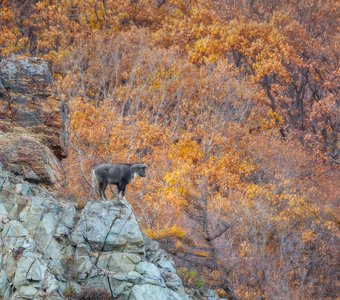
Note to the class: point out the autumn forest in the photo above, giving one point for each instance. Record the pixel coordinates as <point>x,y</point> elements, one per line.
<point>234,106</point>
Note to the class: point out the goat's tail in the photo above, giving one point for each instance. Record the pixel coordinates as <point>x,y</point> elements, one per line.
<point>94,181</point>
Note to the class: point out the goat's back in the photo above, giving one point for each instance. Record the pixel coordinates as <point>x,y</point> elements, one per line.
<point>113,173</point>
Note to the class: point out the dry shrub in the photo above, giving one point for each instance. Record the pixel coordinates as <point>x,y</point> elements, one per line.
<point>93,294</point>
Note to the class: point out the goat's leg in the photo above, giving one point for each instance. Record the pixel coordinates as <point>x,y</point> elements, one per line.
<point>121,190</point>
<point>105,185</point>
<point>102,187</point>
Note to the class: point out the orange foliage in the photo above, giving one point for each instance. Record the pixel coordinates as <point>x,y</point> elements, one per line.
<point>234,106</point>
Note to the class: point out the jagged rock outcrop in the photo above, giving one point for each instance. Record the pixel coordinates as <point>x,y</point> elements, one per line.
<point>48,247</point>
<point>31,129</point>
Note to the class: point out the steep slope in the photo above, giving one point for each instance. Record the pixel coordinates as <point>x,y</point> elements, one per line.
<point>48,249</point>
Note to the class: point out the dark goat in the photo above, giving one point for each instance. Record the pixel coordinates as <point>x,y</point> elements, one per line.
<point>117,174</point>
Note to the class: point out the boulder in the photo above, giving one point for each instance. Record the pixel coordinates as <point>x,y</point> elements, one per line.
<point>108,226</point>
<point>23,154</point>
<point>27,292</point>
<point>118,262</point>
<point>148,291</point>
<point>14,229</point>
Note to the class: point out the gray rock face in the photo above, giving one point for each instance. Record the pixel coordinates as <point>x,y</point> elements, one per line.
<point>47,246</point>
<point>108,226</point>
<point>26,76</point>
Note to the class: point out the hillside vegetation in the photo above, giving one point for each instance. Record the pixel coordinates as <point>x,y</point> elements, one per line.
<point>235,107</point>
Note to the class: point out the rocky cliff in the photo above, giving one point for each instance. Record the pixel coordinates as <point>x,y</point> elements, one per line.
<point>32,137</point>
<point>48,249</point>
